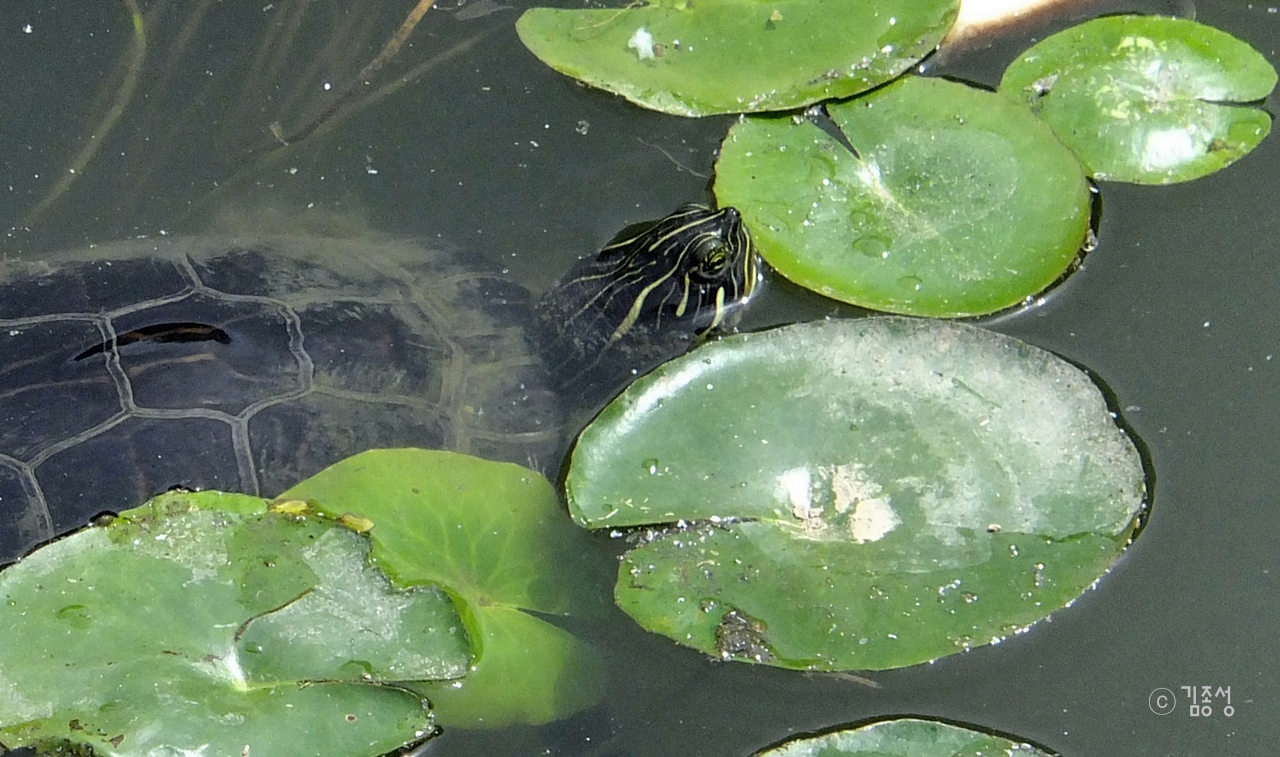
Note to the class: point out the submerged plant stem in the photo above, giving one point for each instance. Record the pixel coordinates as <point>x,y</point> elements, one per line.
<point>265,157</point>
<point>389,51</point>
<point>137,54</point>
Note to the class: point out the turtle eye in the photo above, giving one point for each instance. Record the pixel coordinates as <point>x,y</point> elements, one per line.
<point>712,262</point>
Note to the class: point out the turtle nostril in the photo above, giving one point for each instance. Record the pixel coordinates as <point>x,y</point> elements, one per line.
<point>161,332</point>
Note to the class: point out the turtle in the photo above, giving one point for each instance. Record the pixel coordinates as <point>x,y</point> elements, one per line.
<point>249,364</point>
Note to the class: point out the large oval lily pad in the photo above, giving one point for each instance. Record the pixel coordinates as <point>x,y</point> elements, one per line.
<point>858,494</point>
<point>904,737</point>
<point>732,56</point>
<point>495,537</point>
<point>956,203</point>
<point>160,634</point>
<point>1146,99</point>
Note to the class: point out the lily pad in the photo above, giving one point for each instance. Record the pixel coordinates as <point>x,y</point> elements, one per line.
<point>534,673</point>
<point>732,56</point>
<point>130,637</point>
<point>957,202</point>
<point>858,494</point>
<point>1146,99</point>
<point>904,737</point>
<point>494,535</point>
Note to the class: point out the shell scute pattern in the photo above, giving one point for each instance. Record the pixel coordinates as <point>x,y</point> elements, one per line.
<point>94,287</point>
<point>326,347</point>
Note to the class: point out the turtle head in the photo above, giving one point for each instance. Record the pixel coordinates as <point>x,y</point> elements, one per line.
<point>689,272</point>
<point>647,297</point>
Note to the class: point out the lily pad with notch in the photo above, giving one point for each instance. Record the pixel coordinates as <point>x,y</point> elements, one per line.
<point>158,633</point>
<point>858,494</point>
<point>495,537</point>
<point>952,202</point>
<point>1146,99</point>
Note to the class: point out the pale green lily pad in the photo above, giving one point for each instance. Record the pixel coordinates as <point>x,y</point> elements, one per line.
<point>861,494</point>
<point>538,674</point>
<point>351,626</point>
<point>1146,99</point>
<point>732,56</point>
<point>904,737</point>
<point>494,535</point>
<point>957,203</point>
<point>125,637</point>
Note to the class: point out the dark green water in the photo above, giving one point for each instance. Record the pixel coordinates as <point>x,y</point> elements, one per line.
<point>1176,310</point>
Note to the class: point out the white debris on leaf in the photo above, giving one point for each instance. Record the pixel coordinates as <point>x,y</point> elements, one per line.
<point>642,43</point>
<point>872,520</point>
<point>850,484</point>
<point>793,488</point>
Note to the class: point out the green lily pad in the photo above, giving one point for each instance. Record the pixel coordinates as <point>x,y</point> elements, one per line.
<point>1146,99</point>
<point>733,56</point>
<point>904,737</point>
<point>130,637</point>
<point>350,626</point>
<point>494,535</point>
<point>543,674</point>
<point>957,202</point>
<point>861,494</point>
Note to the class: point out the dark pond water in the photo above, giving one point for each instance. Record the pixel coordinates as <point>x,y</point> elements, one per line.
<point>492,154</point>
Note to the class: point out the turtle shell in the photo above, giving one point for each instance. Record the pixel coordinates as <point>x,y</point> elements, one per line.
<point>248,366</point>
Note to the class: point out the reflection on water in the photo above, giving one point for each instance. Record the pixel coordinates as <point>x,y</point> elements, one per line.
<point>170,111</point>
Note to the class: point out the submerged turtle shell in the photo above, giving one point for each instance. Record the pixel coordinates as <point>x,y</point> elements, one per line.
<point>248,366</point>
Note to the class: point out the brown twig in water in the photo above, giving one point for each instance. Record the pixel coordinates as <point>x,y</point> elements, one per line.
<point>355,34</point>
<point>137,54</point>
<point>392,87</point>
<point>388,52</point>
